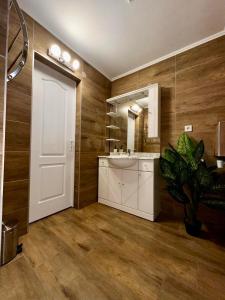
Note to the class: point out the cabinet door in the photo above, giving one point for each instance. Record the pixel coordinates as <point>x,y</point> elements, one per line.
<point>154,111</point>
<point>115,176</point>
<point>146,192</point>
<point>103,183</point>
<point>130,188</point>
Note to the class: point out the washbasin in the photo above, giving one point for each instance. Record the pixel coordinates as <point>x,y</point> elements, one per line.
<point>123,161</point>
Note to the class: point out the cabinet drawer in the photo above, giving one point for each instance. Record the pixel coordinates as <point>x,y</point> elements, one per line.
<point>103,162</point>
<point>146,165</point>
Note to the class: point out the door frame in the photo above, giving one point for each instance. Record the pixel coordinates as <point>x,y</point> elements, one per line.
<point>44,60</point>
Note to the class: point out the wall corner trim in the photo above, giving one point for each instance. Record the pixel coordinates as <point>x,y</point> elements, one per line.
<point>174,53</point>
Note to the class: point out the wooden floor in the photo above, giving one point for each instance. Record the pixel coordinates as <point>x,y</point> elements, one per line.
<point>100,253</point>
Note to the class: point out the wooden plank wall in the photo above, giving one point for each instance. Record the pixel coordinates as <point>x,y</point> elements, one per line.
<point>3,67</point>
<point>3,45</point>
<point>193,92</point>
<point>92,91</point>
<point>17,136</point>
<point>95,90</point>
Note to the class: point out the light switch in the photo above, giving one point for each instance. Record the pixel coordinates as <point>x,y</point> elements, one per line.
<point>188,128</point>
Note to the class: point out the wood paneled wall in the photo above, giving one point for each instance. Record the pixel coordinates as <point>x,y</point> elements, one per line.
<point>17,135</point>
<point>193,92</point>
<point>3,58</point>
<point>95,90</point>
<point>92,91</point>
<point>3,70</point>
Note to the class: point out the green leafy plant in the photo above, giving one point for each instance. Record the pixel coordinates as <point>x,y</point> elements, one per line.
<point>190,181</point>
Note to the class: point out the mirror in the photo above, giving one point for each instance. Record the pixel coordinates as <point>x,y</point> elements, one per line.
<point>134,120</point>
<point>131,125</point>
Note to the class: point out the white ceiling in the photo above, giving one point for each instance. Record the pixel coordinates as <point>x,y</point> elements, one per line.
<point>117,37</point>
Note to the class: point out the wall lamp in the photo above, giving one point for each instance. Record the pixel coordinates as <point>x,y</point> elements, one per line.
<point>63,58</point>
<point>136,109</point>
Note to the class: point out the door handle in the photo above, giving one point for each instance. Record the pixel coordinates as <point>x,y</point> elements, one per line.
<point>71,146</point>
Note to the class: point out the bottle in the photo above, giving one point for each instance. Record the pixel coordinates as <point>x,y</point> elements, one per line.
<point>121,149</point>
<point>115,149</point>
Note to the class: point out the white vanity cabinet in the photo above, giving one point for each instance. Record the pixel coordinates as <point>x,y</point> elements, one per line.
<point>103,182</point>
<point>123,187</point>
<point>146,192</point>
<point>133,189</point>
<point>130,188</point>
<point>115,193</point>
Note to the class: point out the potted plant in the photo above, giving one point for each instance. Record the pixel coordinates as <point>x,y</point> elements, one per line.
<point>190,181</point>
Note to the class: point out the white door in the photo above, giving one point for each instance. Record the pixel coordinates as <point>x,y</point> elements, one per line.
<point>146,193</point>
<point>103,183</point>
<point>115,178</point>
<point>130,188</point>
<point>52,142</point>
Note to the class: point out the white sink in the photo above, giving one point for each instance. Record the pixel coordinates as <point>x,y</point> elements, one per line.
<point>122,161</point>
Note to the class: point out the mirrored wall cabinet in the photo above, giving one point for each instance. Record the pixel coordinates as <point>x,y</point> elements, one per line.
<point>134,116</point>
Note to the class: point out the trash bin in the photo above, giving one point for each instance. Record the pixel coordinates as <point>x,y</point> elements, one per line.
<point>9,241</point>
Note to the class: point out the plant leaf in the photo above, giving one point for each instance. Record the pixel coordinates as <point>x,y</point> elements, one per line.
<point>178,164</point>
<point>176,153</point>
<point>199,151</point>
<point>185,146</point>
<point>204,177</point>
<point>167,169</point>
<point>181,170</point>
<point>170,155</point>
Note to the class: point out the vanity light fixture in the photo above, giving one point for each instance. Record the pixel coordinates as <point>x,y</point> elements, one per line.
<point>76,64</point>
<point>136,108</point>
<point>55,51</point>
<point>66,57</point>
<point>63,58</point>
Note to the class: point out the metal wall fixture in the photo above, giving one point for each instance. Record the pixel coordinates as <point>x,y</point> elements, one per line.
<point>136,109</point>
<point>63,58</point>
<point>19,61</point>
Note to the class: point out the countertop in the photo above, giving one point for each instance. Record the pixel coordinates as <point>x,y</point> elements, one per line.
<point>139,156</point>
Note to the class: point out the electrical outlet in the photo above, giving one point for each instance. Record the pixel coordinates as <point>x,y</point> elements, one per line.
<point>188,128</point>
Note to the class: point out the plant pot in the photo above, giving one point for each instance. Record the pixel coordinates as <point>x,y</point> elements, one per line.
<point>194,228</point>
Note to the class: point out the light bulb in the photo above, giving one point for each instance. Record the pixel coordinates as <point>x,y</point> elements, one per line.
<point>136,108</point>
<point>76,64</point>
<point>66,57</point>
<point>55,51</point>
